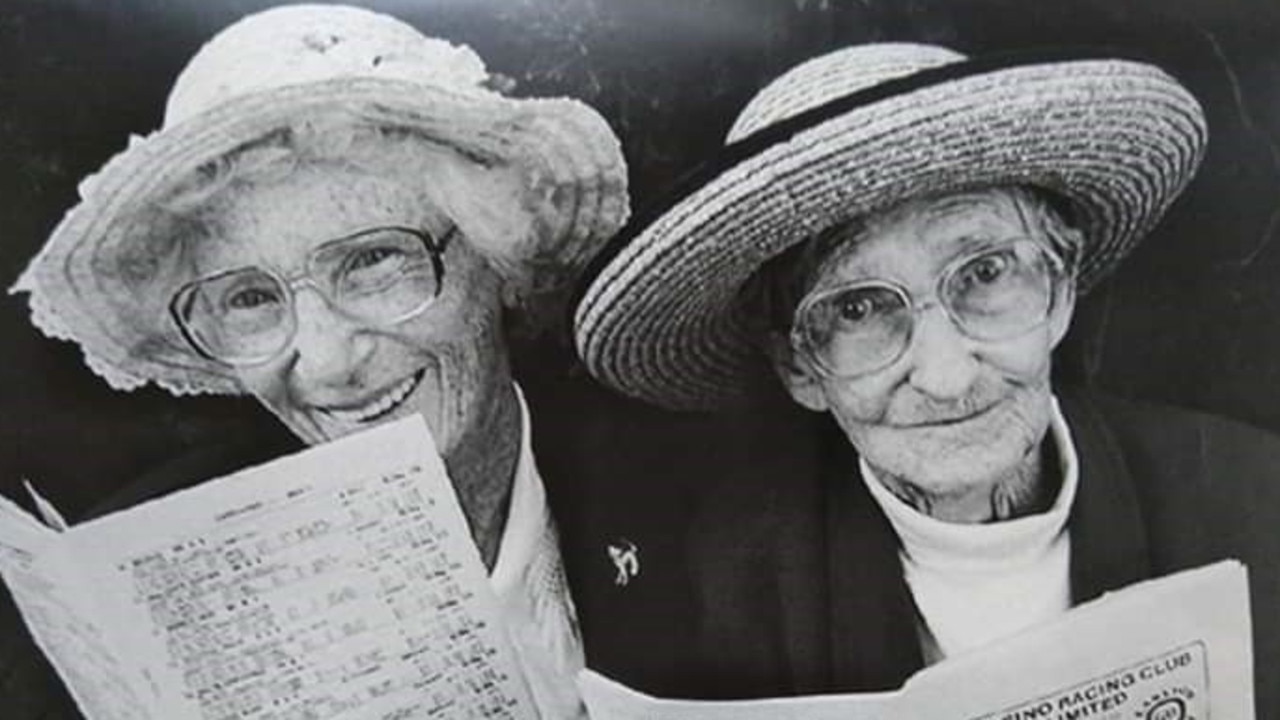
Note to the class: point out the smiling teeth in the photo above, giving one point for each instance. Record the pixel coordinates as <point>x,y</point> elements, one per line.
<point>383,405</point>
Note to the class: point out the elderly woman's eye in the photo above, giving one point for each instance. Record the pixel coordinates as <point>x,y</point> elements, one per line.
<point>858,305</point>
<point>250,298</point>
<point>856,308</point>
<point>988,268</point>
<point>371,256</point>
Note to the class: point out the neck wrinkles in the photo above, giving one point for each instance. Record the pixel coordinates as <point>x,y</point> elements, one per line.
<point>1027,489</point>
<point>483,467</point>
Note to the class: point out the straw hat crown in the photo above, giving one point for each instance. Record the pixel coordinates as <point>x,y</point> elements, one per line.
<point>298,44</point>
<point>834,75</point>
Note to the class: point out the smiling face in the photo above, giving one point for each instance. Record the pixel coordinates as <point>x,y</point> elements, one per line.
<point>952,415</point>
<point>338,375</point>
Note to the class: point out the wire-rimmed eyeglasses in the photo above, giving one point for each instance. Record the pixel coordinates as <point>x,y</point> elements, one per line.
<point>999,292</point>
<point>246,316</point>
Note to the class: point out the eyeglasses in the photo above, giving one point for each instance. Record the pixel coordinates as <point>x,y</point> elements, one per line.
<point>246,316</point>
<point>998,293</point>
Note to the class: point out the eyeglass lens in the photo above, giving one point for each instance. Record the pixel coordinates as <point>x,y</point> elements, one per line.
<point>246,315</point>
<point>995,294</point>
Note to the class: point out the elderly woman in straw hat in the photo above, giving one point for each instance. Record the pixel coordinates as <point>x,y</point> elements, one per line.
<point>898,234</point>
<point>342,219</point>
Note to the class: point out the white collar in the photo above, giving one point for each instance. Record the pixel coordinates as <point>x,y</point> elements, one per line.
<point>527,515</point>
<point>931,542</point>
<point>529,583</point>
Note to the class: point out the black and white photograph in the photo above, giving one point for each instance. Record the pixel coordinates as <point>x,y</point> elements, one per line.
<point>640,360</point>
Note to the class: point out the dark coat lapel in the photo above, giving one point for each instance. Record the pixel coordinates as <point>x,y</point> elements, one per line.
<point>873,639</point>
<point>1108,532</point>
<point>841,611</point>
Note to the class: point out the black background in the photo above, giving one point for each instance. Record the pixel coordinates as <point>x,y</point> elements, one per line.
<point>1192,318</point>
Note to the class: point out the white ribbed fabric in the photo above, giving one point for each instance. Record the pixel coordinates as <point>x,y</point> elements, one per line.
<point>528,578</point>
<point>977,583</point>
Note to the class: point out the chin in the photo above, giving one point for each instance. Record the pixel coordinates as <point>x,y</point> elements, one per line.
<point>947,473</point>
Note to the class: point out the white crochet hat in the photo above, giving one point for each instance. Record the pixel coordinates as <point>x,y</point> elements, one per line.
<point>266,74</point>
<point>861,129</point>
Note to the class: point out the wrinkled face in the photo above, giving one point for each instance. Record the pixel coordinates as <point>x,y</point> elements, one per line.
<point>952,413</point>
<point>338,374</point>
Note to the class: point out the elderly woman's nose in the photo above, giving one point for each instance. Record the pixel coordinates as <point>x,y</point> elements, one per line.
<point>327,345</point>
<point>942,362</point>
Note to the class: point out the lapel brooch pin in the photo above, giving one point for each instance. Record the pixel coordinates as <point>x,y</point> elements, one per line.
<point>626,559</point>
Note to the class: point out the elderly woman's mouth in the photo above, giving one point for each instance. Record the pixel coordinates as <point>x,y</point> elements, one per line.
<point>380,405</point>
<point>946,419</point>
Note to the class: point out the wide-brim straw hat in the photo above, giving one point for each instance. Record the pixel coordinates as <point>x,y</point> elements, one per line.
<point>859,130</point>
<point>95,280</point>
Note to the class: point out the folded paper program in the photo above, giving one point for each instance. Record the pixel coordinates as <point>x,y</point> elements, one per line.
<point>340,582</point>
<point>1174,648</point>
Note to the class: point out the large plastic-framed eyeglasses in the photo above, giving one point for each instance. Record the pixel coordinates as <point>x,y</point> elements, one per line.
<point>246,316</point>
<point>999,292</point>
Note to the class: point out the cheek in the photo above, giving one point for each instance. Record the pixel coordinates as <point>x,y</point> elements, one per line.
<point>270,387</point>
<point>465,362</point>
<point>865,400</point>
<point>1024,361</point>
<point>266,383</point>
<point>465,342</point>
<point>459,378</point>
<point>1029,418</point>
<point>462,332</point>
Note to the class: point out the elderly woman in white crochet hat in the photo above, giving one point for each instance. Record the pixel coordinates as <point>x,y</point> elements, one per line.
<point>342,219</point>
<point>898,234</point>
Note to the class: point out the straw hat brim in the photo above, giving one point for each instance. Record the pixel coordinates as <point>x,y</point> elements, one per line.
<point>1118,139</point>
<point>569,158</point>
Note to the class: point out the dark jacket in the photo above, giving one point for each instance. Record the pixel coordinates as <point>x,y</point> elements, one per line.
<point>795,586</point>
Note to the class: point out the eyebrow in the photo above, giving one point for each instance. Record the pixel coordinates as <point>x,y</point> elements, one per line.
<point>961,245</point>
<point>974,240</point>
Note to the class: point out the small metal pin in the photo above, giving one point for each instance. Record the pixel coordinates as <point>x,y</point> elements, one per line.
<point>626,558</point>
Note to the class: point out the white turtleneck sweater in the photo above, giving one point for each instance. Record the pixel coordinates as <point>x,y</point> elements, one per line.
<point>973,584</point>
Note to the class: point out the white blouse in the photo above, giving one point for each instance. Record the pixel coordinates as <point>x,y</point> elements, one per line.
<point>528,578</point>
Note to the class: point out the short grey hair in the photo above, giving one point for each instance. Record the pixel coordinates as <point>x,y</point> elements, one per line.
<point>771,295</point>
